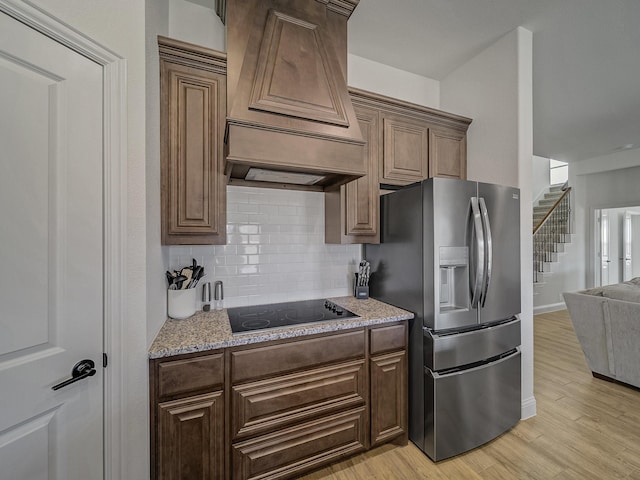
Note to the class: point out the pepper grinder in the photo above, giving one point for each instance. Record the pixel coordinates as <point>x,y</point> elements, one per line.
<point>206,296</point>
<point>218,295</point>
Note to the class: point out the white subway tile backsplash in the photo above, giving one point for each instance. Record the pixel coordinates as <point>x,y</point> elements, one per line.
<point>275,250</point>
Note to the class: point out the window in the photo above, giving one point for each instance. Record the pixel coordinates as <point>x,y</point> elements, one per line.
<point>558,172</point>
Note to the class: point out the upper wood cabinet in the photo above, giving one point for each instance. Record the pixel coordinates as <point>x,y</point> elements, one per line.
<point>406,149</point>
<point>447,153</point>
<point>406,143</point>
<point>192,120</point>
<point>419,142</point>
<point>352,211</point>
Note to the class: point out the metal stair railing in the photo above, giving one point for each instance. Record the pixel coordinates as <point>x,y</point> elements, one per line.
<point>550,231</point>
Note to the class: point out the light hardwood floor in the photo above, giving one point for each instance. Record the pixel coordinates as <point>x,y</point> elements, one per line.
<point>585,428</point>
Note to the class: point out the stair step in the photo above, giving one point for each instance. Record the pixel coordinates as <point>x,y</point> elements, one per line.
<point>548,201</point>
<point>546,234</point>
<point>556,188</point>
<point>549,256</point>
<point>554,194</point>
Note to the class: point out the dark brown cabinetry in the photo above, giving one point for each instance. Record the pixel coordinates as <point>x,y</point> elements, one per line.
<point>406,143</point>
<point>288,104</point>
<point>292,405</point>
<point>388,374</point>
<point>298,404</point>
<point>191,438</point>
<point>419,142</point>
<point>406,149</point>
<point>352,211</point>
<point>187,417</point>
<point>192,120</point>
<point>447,153</point>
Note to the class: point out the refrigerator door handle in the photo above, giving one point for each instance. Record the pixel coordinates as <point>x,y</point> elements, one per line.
<point>488,249</point>
<point>484,366</point>
<point>479,267</point>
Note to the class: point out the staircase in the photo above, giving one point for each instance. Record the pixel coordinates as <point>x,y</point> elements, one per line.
<point>551,229</point>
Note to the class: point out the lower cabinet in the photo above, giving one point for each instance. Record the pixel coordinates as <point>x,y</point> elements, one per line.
<point>289,452</point>
<point>388,397</point>
<point>191,438</point>
<point>291,405</point>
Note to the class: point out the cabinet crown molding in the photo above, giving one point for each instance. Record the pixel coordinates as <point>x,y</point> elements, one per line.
<point>394,105</point>
<point>191,55</point>
<point>343,7</point>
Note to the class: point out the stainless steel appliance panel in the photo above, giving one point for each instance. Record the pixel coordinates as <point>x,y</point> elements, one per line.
<point>502,297</point>
<point>397,278</point>
<point>449,350</point>
<point>448,262</point>
<point>470,407</point>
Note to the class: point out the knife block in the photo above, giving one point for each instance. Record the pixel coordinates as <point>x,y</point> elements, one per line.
<point>360,291</point>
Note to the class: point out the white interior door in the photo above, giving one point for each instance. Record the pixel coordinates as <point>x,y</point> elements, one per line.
<point>627,272</point>
<point>604,248</point>
<point>51,255</point>
<point>635,245</point>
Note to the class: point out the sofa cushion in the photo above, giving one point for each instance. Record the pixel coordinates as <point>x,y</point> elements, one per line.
<point>629,292</point>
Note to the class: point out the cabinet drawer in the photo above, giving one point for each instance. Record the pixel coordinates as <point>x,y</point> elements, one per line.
<point>385,339</point>
<point>289,452</point>
<point>274,403</point>
<point>191,374</point>
<point>271,360</point>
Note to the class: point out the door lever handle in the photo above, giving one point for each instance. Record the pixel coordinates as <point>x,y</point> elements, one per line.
<point>82,369</point>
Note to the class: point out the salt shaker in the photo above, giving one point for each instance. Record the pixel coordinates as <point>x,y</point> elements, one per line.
<point>206,296</point>
<point>218,295</point>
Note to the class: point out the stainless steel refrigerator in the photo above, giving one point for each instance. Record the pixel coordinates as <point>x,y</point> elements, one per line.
<point>450,253</point>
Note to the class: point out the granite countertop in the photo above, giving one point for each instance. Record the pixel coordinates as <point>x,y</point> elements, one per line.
<point>211,330</point>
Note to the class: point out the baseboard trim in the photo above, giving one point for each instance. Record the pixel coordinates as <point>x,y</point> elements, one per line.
<point>554,307</point>
<point>528,408</point>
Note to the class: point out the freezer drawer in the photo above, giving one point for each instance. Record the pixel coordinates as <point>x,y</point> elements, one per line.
<point>466,408</point>
<point>455,349</point>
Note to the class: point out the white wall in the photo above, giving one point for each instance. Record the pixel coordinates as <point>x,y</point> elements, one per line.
<point>119,25</point>
<point>601,182</point>
<point>539,177</point>
<point>611,189</point>
<point>495,89</point>
<point>196,24</point>
<point>376,77</point>
<point>486,89</point>
<point>157,23</point>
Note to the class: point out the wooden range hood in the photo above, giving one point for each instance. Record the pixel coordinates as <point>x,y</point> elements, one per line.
<point>288,108</point>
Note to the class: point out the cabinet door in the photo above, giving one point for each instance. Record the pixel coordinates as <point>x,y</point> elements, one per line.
<point>388,396</point>
<point>193,105</point>
<point>191,438</point>
<point>406,150</point>
<point>352,212</point>
<point>362,195</point>
<point>447,154</point>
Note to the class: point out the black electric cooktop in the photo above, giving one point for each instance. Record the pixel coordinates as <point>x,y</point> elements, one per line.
<point>262,317</point>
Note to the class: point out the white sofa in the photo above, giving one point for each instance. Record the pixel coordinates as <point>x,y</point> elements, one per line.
<point>607,323</point>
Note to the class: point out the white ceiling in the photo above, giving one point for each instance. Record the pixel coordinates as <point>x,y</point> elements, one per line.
<point>586,59</point>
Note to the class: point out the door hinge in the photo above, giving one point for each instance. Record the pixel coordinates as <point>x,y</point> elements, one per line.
<point>104,360</point>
